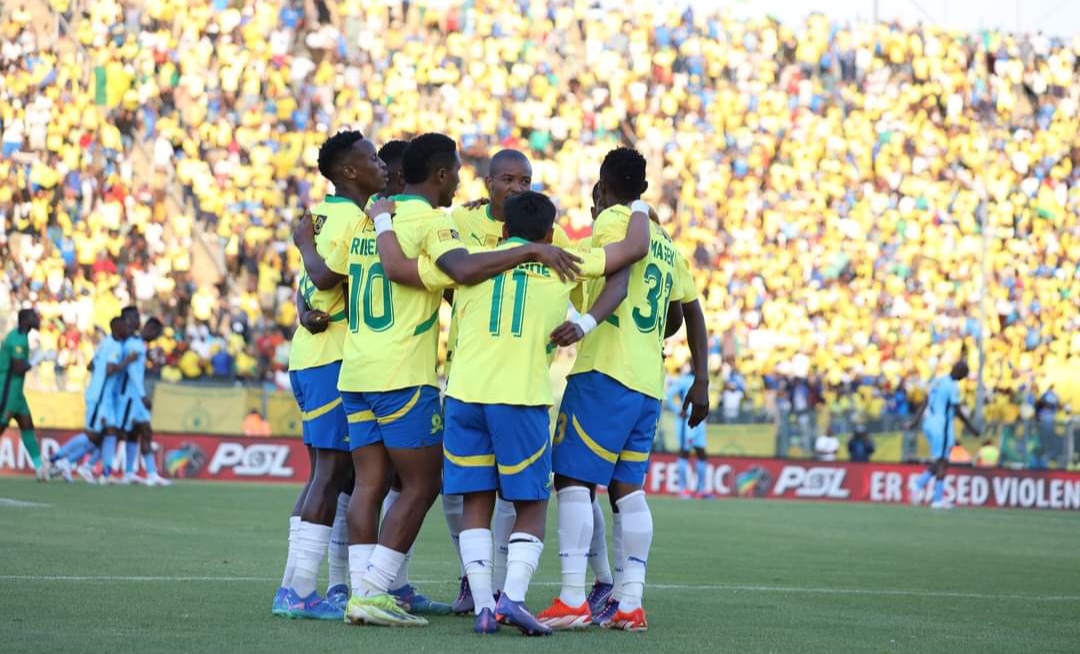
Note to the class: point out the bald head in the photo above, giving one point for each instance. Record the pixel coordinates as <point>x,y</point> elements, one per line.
<point>509,173</point>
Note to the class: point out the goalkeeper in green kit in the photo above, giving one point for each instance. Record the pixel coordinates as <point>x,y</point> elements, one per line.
<point>14,362</point>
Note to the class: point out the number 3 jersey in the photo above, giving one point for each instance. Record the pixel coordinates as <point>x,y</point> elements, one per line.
<point>335,218</point>
<point>629,345</point>
<point>392,336</point>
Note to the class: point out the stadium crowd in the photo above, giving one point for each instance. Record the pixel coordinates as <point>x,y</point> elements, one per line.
<point>830,182</point>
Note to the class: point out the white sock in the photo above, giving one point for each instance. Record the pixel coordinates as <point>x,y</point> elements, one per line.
<point>290,558</point>
<point>617,550</point>
<point>476,553</point>
<point>311,542</point>
<point>338,552</point>
<point>382,567</point>
<point>402,578</point>
<point>524,556</point>
<point>453,509</point>
<point>575,533</point>
<point>637,527</point>
<point>388,502</point>
<point>359,555</point>
<point>597,555</point>
<point>501,526</point>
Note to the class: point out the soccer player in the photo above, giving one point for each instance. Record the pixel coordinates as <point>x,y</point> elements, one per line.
<point>689,437</point>
<point>610,409</point>
<point>14,364</point>
<point>941,409</point>
<point>134,405</point>
<point>391,154</point>
<point>387,382</point>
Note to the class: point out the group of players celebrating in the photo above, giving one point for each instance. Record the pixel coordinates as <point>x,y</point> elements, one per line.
<point>380,256</point>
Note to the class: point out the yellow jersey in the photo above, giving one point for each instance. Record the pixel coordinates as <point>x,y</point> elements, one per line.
<point>503,349</point>
<point>393,330</point>
<point>628,346</point>
<point>335,218</point>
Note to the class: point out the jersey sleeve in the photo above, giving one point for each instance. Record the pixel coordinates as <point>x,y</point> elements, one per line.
<point>954,394</point>
<point>685,289</point>
<point>593,261</point>
<point>561,240</point>
<point>608,228</point>
<point>336,255</point>
<point>17,348</point>
<point>441,237</point>
<point>432,276</point>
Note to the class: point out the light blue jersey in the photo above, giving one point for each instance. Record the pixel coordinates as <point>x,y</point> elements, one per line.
<point>942,401</point>
<point>101,392</point>
<point>133,384</point>
<point>688,436</point>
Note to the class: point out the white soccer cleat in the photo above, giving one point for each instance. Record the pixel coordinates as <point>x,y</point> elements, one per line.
<point>62,468</point>
<point>157,480</point>
<point>87,474</point>
<point>42,472</point>
<point>942,504</point>
<point>130,478</point>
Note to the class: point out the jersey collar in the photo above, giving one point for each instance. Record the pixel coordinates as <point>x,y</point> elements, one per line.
<point>487,212</point>
<point>518,240</point>
<point>338,199</point>
<point>405,197</point>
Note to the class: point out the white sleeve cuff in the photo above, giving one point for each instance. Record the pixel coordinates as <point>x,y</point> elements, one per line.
<point>640,205</point>
<point>586,322</point>
<point>383,223</point>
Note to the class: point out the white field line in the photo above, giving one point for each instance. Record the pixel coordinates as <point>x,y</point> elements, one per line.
<point>731,588</point>
<point>22,504</point>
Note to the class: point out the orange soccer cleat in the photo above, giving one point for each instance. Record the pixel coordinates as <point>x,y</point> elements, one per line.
<point>561,616</point>
<point>628,621</point>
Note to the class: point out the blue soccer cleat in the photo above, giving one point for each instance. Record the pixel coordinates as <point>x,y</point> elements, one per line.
<point>464,602</point>
<point>599,596</point>
<point>312,607</point>
<point>281,603</point>
<point>417,604</point>
<point>606,613</point>
<point>515,614</point>
<point>338,596</point>
<point>486,622</point>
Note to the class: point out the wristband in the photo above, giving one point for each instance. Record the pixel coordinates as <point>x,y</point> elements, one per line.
<point>640,205</point>
<point>383,223</point>
<point>586,322</point>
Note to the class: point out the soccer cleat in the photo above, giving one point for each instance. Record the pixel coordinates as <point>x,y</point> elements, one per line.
<point>42,472</point>
<point>916,497</point>
<point>382,610</point>
<point>628,621</point>
<point>464,604</point>
<point>485,622</point>
<point>311,607</point>
<point>417,604</point>
<point>338,595</point>
<point>132,478</point>
<point>62,468</point>
<point>686,495</point>
<point>280,605</point>
<point>599,596</point>
<point>942,504</point>
<point>561,616</point>
<point>516,614</point>
<point>606,613</point>
<point>157,480</point>
<point>87,474</point>
<point>703,496</point>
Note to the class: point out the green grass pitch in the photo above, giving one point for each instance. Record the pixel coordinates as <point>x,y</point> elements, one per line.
<point>193,569</point>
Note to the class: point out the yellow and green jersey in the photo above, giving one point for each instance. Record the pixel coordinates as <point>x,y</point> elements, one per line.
<point>628,346</point>
<point>392,336</point>
<point>335,218</point>
<point>503,348</point>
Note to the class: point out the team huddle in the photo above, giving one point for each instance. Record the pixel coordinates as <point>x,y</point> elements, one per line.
<point>380,256</point>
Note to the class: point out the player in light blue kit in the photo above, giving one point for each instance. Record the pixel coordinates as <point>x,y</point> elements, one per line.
<point>133,405</point>
<point>941,409</point>
<point>689,437</point>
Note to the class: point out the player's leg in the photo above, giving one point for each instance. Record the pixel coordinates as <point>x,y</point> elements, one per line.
<point>683,462</point>
<point>523,456</point>
<point>502,525</point>
<point>401,588</point>
<point>702,467</point>
<point>280,605</point>
<point>146,449</point>
<point>603,582</point>
<point>337,554</point>
<point>131,441</point>
<point>30,442</point>
<point>636,522</point>
<point>940,468</point>
<point>918,491</point>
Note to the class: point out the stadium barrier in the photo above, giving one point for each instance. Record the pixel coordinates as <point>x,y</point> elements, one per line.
<point>881,483</point>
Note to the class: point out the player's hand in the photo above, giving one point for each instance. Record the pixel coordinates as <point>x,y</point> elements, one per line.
<point>304,230</point>
<point>147,403</point>
<point>475,204</point>
<point>567,334</point>
<point>562,262</point>
<point>315,321</point>
<point>380,206</point>
<point>697,402</point>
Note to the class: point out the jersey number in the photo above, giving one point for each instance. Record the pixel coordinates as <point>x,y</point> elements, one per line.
<point>521,284</point>
<point>655,314</point>
<point>378,307</point>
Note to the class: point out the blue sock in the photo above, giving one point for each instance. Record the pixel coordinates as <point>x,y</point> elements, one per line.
<point>939,490</point>
<point>682,467</point>
<point>73,449</point>
<point>131,456</point>
<point>95,456</point>
<point>924,479</point>
<point>108,454</point>
<point>700,468</point>
<point>150,464</point>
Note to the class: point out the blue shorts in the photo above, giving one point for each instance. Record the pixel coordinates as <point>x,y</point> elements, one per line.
<point>101,415</point>
<point>497,446</point>
<point>408,418</point>
<point>605,431</point>
<point>132,411</point>
<point>690,437</point>
<point>321,410</point>
<point>939,444</point>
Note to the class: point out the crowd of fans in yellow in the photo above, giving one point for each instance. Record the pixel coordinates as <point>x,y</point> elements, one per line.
<point>831,183</point>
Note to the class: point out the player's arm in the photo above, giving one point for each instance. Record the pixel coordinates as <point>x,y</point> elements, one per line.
<point>399,268</point>
<point>634,246</point>
<point>468,268</point>
<point>674,320</point>
<point>697,337</point>
<point>960,413</point>
<point>116,365</point>
<point>304,240</point>
<point>616,287</point>
<point>918,415</point>
<point>20,364</point>
<point>313,320</point>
